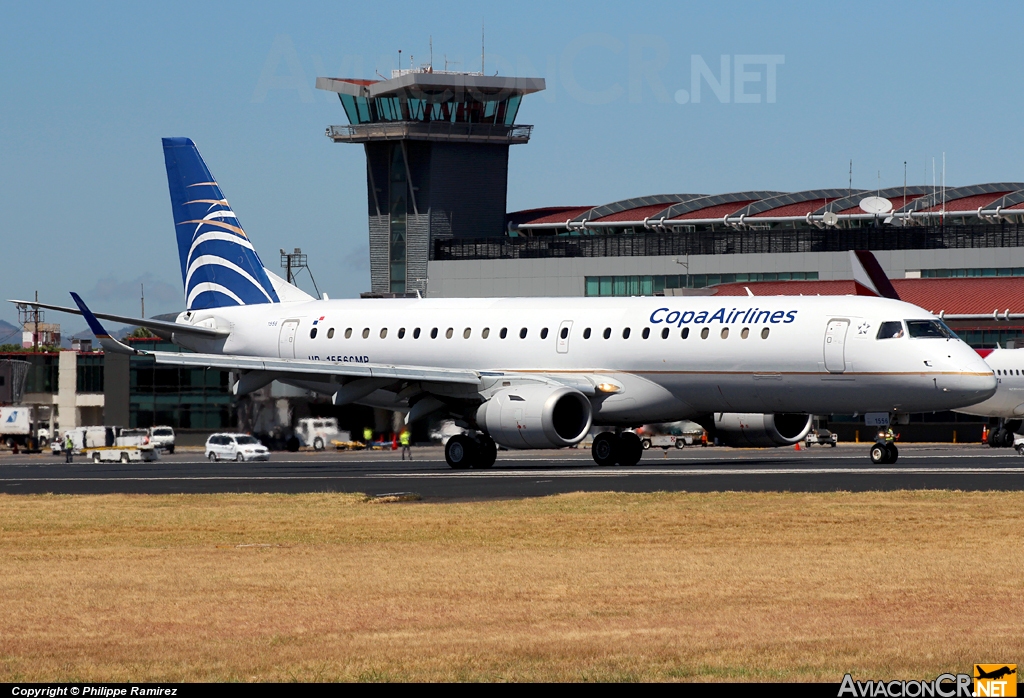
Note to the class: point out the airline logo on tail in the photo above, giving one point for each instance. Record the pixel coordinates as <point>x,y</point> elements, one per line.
<point>219,266</point>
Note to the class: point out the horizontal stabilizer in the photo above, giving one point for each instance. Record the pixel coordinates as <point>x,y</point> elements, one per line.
<point>150,323</point>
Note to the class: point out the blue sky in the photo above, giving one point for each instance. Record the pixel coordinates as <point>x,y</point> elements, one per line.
<point>88,90</point>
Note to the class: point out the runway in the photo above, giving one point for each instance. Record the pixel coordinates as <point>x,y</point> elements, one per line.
<point>529,474</point>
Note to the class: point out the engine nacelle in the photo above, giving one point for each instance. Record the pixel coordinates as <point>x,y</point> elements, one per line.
<point>536,416</point>
<point>761,430</point>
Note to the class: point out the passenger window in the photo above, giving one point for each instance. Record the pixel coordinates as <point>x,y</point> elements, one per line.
<point>522,333</point>
<point>366,333</point>
<point>383,332</point>
<point>503,333</point>
<point>725,333</point>
<point>607,332</point>
<point>890,330</point>
<point>704,333</point>
<point>330,333</point>
<point>565,332</point>
<point>745,332</point>
<point>586,333</point>
<point>486,333</point>
<point>625,333</point>
<point>401,333</point>
<point>312,333</point>
<point>449,333</point>
<point>433,333</point>
<point>685,333</point>
<point>544,333</point>
<point>764,333</point>
<point>664,333</point>
<point>466,332</point>
<point>416,333</point>
<point>646,332</point>
<point>348,333</point>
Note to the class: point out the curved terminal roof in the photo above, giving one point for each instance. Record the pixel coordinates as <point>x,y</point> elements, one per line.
<point>912,204</point>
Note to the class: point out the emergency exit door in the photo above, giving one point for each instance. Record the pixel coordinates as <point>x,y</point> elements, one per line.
<point>835,345</point>
<point>562,341</point>
<point>286,341</point>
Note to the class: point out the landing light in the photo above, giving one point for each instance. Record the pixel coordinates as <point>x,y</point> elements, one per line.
<point>608,388</point>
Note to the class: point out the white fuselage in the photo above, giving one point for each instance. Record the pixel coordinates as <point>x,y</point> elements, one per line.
<point>740,354</point>
<point>1008,401</point>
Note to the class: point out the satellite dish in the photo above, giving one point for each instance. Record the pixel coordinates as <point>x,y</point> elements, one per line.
<point>829,218</point>
<point>875,204</point>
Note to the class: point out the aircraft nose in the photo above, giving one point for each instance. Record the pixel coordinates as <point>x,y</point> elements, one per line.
<point>976,380</point>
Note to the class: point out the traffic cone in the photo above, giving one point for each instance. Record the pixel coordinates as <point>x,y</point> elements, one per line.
<point>796,447</point>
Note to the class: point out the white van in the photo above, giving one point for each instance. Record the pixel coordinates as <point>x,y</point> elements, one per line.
<point>319,431</point>
<point>162,438</point>
<point>236,447</point>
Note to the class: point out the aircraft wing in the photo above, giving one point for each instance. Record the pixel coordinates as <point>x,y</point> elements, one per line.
<point>162,325</point>
<point>306,368</point>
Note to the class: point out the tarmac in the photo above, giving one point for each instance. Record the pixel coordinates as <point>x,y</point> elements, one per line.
<point>528,473</point>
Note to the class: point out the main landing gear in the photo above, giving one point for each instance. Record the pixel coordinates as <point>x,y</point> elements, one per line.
<point>884,453</point>
<point>623,449</point>
<point>463,452</point>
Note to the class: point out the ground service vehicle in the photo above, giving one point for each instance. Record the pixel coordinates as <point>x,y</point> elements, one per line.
<point>822,437</point>
<point>162,438</point>
<point>665,441</point>
<point>236,447</point>
<point>530,373</point>
<point>320,431</point>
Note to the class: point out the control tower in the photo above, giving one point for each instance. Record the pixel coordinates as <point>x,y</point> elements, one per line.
<point>436,161</point>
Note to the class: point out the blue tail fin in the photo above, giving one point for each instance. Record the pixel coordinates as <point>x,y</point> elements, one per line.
<point>219,266</point>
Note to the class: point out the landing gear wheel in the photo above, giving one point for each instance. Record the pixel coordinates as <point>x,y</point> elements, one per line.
<point>631,449</point>
<point>996,438</point>
<point>879,454</point>
<point>318,444</point>
<point>604,449</point>
<point>894,453</point>
<point>487,453</point>
<point>459,452</point>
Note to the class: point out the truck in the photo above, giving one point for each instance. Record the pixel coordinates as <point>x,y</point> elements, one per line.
<point>16,429</point>
<point>665,441</point>
<point>109,444</point>
<point>317,432</point>
<point>822,437</point>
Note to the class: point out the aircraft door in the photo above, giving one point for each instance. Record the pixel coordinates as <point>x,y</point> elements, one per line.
<point>286,342</point>
<point>564,330</point>
<point>835,345</point>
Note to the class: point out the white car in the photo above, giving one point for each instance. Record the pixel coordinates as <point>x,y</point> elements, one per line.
<point>237,447</point>
<point>162,438</point>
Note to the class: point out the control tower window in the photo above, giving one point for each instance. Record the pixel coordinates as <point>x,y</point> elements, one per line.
<point>398,198</point>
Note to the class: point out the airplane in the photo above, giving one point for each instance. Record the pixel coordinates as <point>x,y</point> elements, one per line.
<point>530,373</point>
<point>1008,401</point>
<point>995,674</point>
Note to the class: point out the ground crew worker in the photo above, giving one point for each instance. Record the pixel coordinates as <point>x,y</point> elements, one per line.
<point>69,447</point>
<point>405,440</point>
<point>367,435</point>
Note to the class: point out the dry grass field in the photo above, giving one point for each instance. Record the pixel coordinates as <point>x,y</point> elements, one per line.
<point>602,587</point>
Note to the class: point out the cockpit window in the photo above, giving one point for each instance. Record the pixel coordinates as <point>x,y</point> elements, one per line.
<point>890,330</point>
<point>929,328</point>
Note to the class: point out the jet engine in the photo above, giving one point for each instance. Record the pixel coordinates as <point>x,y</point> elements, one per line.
<point>760,430</point>
<point>536,416</point>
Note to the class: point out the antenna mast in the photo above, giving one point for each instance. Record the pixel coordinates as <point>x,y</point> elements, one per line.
<point>482,47</point>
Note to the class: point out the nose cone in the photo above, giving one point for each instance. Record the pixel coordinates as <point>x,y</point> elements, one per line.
<point>976,381</point>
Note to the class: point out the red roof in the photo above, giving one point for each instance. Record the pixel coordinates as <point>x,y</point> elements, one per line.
<point>719,211</point>
<point>954,296</point>
<point>801,208</point>
<point>549,214</point>
<point>634,214</point>
<point>970,203</point>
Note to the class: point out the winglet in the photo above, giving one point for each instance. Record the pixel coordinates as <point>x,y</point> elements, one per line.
<point>106,341</point>
<point>868,276</point>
